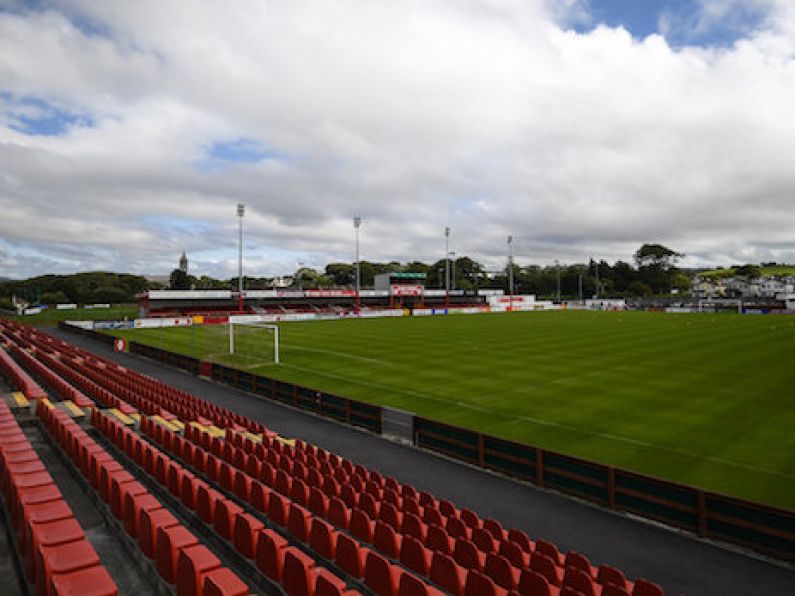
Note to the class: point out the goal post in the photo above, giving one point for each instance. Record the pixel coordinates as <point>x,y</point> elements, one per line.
<point>268,326</point>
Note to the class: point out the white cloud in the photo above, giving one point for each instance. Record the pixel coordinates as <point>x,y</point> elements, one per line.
<point>490,117</point>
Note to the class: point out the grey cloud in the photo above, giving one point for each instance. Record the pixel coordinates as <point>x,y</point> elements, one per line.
<point>488,117</point>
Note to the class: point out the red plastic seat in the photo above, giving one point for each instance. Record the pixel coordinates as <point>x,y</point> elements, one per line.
<point>447,574</point>
<point>270,554</point>
<point>413,526</point>
<point>323,539</point>
<point>189,492</point>
<point>328,584</point>
<point>259,496</point>
<point>478,584</point>
<point>546,567</point>
<point>514,553</point>
<point>338,513</point>
<point>278,509</point>
<point>470,518</point>
<point>175,475</point>
<point>581,562</point>
<point>350,557</point>
<point>299,573</point>
<point>300,492</point>
<point>299,522</point>
<point>484,540</point>
<point>646,588</point>
<point>193,564</point>
<point>386,540</point>
<point>520,538</point>
<point>500,569</point>
<point>431,515</point>
<point>495,529</point>
<point>578,580</point>
<point>380,576</point>
<point>368,504</point>
<point>532,583</point>
<point>247,528</point>
<point>318,502</point>
<point>466,554</point>
<point>361,526</point>
<point>414,555</point>
<point>438,540</point>
<point>94,581</point>
<point>413,586</point>
<point>226,476</point>
<point>283,483</point>
<point>223,582</point>
<point>456,528</point>
<point>170,542</point>
<point>148,525</point>
<point>549,550</point>
<point>64,558</point>
<point>206,501</point>
<point>242,484</point>
<point>610,575</point>
<point>390,515</point>
<point>224,517</point>
<point>134,506</point>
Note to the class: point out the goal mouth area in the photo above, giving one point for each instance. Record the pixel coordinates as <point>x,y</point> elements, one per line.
<point>255,324</point>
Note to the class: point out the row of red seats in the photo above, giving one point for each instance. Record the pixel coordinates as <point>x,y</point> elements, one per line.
<point>58,558</point>
<point>51,367</point>
<point>356,560</point>
<point>180,558</point>
<point>246,532</point>
<point>19,378</point>
<point>51,379</point>
<point>392,523</point>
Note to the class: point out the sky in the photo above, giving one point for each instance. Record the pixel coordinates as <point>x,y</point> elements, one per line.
<point>129,131</point>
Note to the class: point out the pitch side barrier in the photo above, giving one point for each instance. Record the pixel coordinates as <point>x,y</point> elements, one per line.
<point>762,528</point>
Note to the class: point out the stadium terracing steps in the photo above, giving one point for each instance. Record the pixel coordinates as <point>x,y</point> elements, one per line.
<point>215,503</point>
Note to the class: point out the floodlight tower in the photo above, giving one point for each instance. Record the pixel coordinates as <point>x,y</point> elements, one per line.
<point>447,266</point>
<point>510,273</point>
<point>241,209</point>
<point>357,221</point>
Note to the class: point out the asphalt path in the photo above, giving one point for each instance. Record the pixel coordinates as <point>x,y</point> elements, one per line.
<point>679,562</point>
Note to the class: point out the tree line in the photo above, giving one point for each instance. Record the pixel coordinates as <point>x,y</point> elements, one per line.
<point>79,288</point>
<point>652,272</point>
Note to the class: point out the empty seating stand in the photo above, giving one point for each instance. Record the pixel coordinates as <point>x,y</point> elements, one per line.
<point>279,502</point>
<point>56,556</point>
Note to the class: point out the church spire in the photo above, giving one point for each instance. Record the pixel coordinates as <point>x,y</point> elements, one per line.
<point>183,262</point>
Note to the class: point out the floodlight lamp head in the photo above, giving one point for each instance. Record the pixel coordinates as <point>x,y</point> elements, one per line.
<point>357,221</point>
<point>510,239</point>
<point>241,208</point>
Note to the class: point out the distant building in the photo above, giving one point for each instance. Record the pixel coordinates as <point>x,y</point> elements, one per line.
<point>183,263</point>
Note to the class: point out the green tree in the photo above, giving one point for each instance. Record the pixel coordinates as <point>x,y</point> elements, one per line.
<point>179,280</point>
<point>749,272</point>
<point>639,288</point>
<point>656,266</point>
<point>342,274</point>
<point>57,297</point>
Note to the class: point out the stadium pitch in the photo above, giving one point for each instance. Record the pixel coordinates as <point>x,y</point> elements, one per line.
<point>703,399</point>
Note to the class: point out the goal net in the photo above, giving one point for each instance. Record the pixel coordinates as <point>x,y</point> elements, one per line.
<point>254,342</point>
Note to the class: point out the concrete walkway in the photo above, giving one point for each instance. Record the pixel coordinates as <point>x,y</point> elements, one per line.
<point>678,562</point>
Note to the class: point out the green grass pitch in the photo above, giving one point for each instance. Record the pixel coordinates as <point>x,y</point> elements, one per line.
<point>708,400</point>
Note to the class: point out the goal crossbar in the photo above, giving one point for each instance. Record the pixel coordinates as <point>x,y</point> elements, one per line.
<point>272,327</point>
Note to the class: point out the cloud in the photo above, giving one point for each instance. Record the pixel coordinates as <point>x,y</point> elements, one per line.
<point>492,117</point>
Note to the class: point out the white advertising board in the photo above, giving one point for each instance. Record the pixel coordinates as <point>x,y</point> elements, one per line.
<point>163,322</point>
<point>65,306</point>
